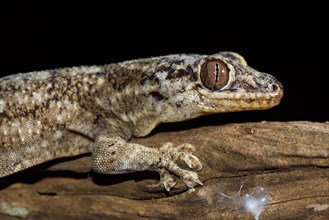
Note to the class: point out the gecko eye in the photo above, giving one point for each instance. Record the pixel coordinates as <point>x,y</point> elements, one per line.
<point>214,74</point>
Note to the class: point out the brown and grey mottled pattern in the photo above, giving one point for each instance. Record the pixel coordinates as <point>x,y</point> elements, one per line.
<point>42,112</point>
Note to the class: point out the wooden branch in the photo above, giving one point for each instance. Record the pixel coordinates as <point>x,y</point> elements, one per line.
<point>287,163</point>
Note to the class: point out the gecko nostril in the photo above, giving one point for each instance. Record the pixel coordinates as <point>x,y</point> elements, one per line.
<point>274,87</point>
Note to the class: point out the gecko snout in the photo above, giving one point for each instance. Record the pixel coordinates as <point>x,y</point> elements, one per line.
<point>275,89</point>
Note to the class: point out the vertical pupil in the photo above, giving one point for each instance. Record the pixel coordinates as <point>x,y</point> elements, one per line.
<point>217,72</point>
<point>214,74</point>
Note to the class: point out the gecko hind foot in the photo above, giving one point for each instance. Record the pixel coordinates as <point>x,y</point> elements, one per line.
<point>166,164</point>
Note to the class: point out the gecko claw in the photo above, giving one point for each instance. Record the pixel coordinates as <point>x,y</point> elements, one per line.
<point>191,179</point>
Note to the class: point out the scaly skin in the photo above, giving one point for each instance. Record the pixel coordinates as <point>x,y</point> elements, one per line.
<point>64,112</point>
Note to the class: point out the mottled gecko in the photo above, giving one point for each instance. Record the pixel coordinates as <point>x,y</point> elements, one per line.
<point>70,111</point>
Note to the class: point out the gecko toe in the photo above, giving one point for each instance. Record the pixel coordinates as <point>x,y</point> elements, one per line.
<point>167,181</point>
<point>186,147</point>
<point>191,161</point>
<point>185,152</point>
<point>191,179</point>
<point>167,161</point>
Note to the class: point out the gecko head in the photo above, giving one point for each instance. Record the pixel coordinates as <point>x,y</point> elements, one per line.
<point>181,87</point>
<point>227,84</point>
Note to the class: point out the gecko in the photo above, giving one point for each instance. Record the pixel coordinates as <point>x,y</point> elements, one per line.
<point>97,109</point>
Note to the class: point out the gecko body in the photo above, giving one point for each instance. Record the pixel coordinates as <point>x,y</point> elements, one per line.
<point>69,111</point>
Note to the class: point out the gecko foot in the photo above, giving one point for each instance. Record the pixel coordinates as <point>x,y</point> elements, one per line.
<point>168,156</point>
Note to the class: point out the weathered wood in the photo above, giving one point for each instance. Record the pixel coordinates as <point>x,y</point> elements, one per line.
<point>289,160</point>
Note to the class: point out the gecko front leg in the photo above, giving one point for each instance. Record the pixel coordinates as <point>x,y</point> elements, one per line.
<point>113,155</point>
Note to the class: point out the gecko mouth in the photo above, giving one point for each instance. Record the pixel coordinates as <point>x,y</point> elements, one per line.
<point>234,104</point>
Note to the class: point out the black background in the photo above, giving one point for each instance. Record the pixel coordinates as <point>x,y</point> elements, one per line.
<point>287,41</point>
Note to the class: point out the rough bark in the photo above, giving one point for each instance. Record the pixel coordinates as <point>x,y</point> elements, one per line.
<point>287,161</point>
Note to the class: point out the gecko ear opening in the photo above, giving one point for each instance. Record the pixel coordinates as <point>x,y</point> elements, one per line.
<point>214,74</point>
